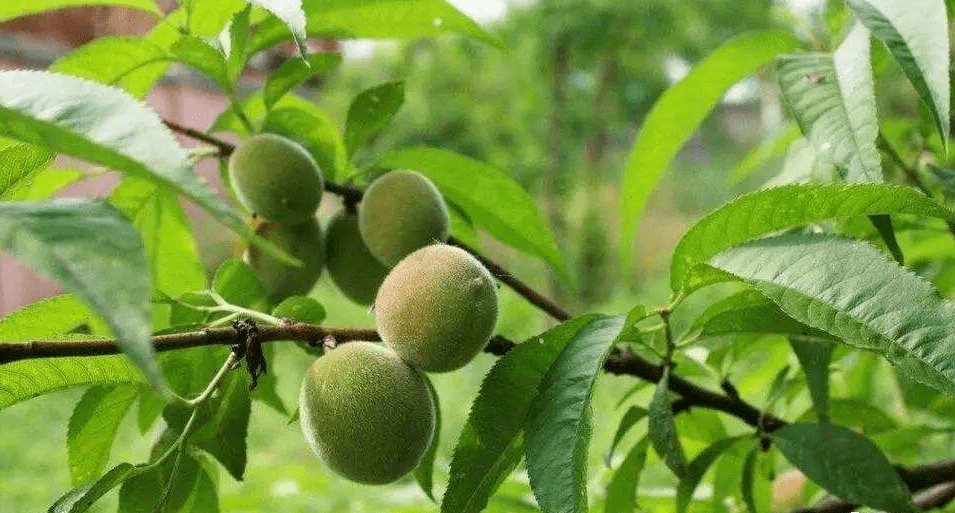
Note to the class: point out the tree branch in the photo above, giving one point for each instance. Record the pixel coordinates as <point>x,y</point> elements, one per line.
<point>934,496</point>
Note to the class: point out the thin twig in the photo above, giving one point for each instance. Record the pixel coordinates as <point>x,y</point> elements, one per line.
<point>224,147</point>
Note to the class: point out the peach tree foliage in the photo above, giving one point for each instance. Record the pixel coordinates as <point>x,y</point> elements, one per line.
<point>844,254</point>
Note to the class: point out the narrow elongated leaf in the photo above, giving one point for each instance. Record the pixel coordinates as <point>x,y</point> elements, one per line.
<point>96,254</point>
<point>767,150</point>
<point>490,444</point>
<point>82,497</point>
<point>697,469</point>
<point>855,414</point>
<point>203,57</point>
<point>93,426</point>
<point>106,126</point>
<point>663,435</point>
<point>10,10</point>
<point>405,19</point>
<point>167,238</point>
<point>747,476</point>
<point>45,183</point>
<point>833,100</point>
<point>312,129</point>
<point>681,109</point>
<point>233,40</point>
<point>883,225</point>
<point>424,473</point>
<point>131,63</point>
<point>224,434</point>
<point>20,164</point>
<point>916,33</point>
<point>631,417</point>
<point>559,422</point>
<point>852,291</point>
<point>24,380</point>
<point>371,111</point>
<point>489,196</point>
<point>814,358</point>
<point>622,490</point>
<point>292,15</point>
<point>166,487</point>
<point>749,312</point>
<point>295,71</point>
<point>845,463</point>
<point>762,212</point>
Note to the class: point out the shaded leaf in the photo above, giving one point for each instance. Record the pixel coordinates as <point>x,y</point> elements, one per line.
<point>845,463</point>
<point>814,358</point>
<point>203,57</point>
<point>82,497</point>
<point>490,444</point>
<point>622,490</point>
<point>662,433</point>
<point>424,472</point>
<point>697,469</point>
<point>489,196</point>
<point>559,423</point>
<point>370,112</point>
<point>746,479</point>
<point>633,415</point>
<point>749,311</point>
<point>295,71</point>
<point>300,309</point>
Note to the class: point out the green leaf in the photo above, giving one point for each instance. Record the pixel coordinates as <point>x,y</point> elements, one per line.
<point>166,487</point>
<point>622,490</point>
<point>916,33</point>
<point>167,237</point>
<point>680,110</point>
<point>237,283</point>
<point>130,63</point>
<point>300,309</point>
<point>233,40</point>
<point>224,434</point>
<point>44,183</point>
<point>291,14</point>
<point>406,19</point>
<point>856,414</point>
<point>203,57</point>
<point>19,166</point>
<point>92,250</point>
<point>833,100</point>
<point>105,126</point>
<point>852,291</point>
<point>10,10</point>
<point>559,424</point>
<point>46,318</point>
<point>490,446</point>
<point>767,150</point>
<point>633,415</point>
<point>93,427</point>
<point>663,435</point>
<point>295,71</point>
<point>371,111</point>
<point>749,312</point>
<point>489,196</point>
<point>814,358</point>
<point>846,464</point>
<point>424,472</point>
<point>883,225</point>
<point>27,379</point>
<point>697,469</point>
<point>762,212</point>
<point>82,497</point>
<point>747,478</point>
<point>313,129</point>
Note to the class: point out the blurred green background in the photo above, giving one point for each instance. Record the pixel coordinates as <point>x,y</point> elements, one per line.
<point>558,107</point>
